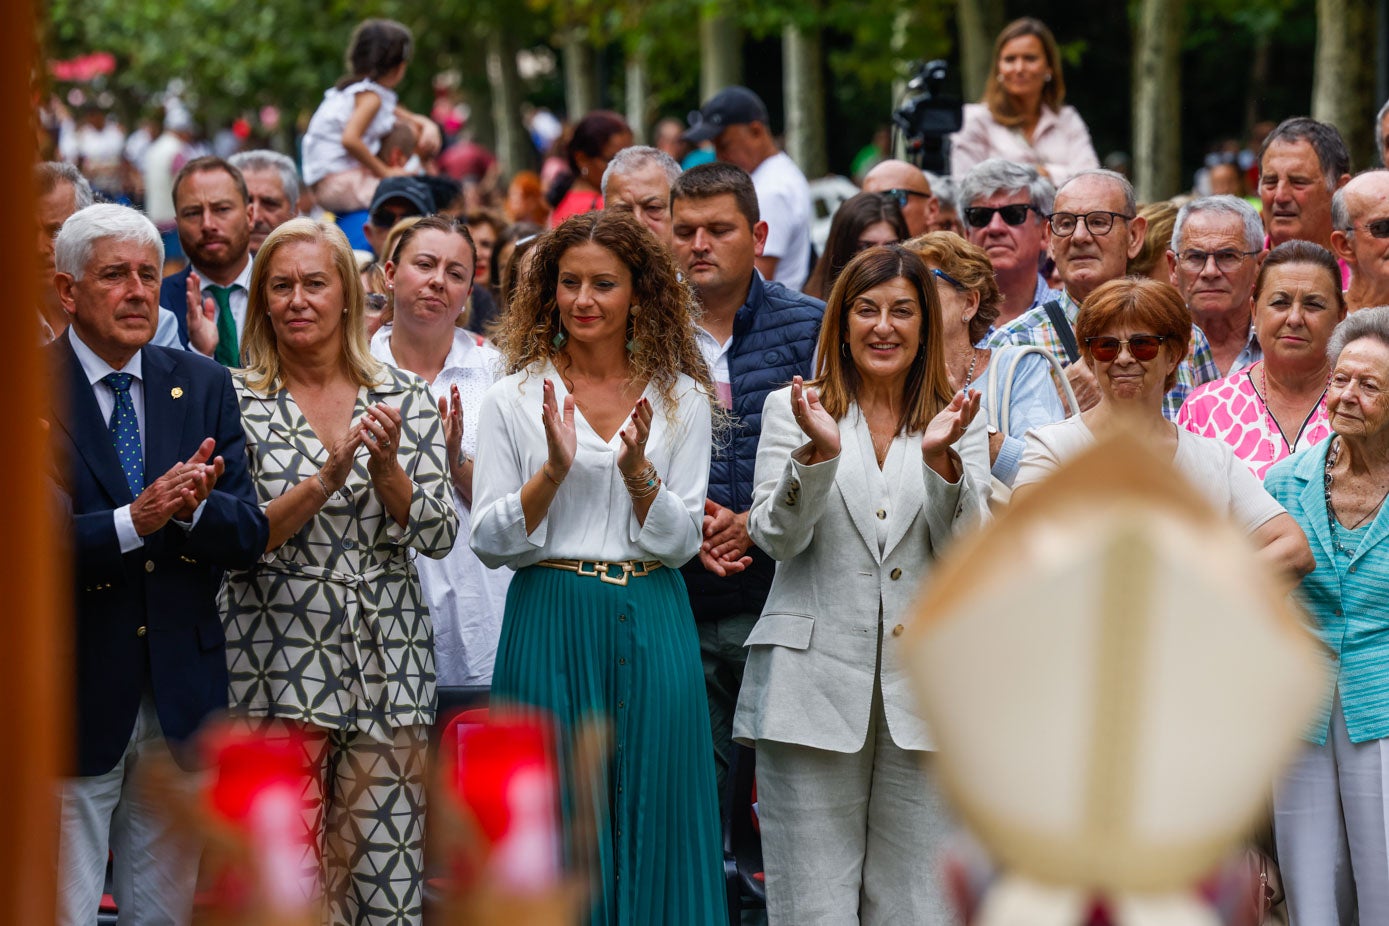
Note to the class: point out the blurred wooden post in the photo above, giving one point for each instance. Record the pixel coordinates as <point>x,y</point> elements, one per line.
<point>34,682</point>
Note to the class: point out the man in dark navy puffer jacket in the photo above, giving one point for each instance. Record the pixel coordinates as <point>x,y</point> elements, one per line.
<point>755,335</point>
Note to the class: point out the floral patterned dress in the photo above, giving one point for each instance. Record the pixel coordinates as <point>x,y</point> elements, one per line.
<point>332,628</point>
<point>1231,410</point>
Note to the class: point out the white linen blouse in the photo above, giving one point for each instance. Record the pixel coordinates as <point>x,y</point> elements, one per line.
<point>591,517</point>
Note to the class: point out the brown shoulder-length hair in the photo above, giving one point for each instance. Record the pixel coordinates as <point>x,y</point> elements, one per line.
<point>969,265</point>
<point>261,350</point>
<point>927,389</point>
<point>662,315</point>
<point>853,217</point>
<point>1053,91</point>
<point>1142,304</point>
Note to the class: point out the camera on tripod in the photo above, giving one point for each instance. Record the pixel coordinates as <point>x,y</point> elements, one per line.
<point>929,116</point>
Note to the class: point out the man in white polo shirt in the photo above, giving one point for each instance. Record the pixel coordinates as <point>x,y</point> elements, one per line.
<point>736,119</point>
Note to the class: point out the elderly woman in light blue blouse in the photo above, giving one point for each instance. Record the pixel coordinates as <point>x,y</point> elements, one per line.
<point>1331,812</point>
<point>1017,391</point>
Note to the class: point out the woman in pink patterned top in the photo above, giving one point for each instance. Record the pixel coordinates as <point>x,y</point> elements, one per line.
<point>1277,406</point>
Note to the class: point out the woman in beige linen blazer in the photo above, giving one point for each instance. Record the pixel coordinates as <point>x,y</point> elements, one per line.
<point>862,478</point>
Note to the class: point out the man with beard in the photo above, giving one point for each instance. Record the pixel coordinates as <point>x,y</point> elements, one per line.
<point>1005,208</point>
<point>273,183</point>
<point>213,210</point>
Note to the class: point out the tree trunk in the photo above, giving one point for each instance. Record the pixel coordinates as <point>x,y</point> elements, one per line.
<point>638,92</point>
<point>720,53</point>
<point>1343,84</point>
<point>804,88</point>
<point>514,149</point>
<point>977,21</point>
<point>1258,78</point>
<point>1157,141</point>
<point>901,56</point>
<point>580,88</point>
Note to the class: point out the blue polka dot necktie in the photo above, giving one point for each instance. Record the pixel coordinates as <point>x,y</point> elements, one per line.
<point>125,432</point>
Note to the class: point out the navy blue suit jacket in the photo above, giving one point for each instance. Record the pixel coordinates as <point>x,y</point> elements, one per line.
<point>173,295</point>
<point>150,616</point>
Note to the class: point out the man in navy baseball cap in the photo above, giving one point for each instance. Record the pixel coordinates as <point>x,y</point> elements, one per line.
<point>735,119</point>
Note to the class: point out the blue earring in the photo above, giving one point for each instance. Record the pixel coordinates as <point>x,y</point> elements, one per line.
<point>560,339</point>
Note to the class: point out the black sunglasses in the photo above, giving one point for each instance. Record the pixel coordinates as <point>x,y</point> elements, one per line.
<point>1015,214</point>
<point>1379,228</point>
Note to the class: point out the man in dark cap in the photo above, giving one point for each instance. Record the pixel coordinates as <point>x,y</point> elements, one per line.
<point>736,120</point>
<point>396,198</point>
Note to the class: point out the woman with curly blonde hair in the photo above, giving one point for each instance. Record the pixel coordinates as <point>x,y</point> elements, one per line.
<point>589,481</point>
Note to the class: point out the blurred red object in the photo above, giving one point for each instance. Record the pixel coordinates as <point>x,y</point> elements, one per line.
<point>503,772</point>
<point>257,787</point>
<point>84,68</point>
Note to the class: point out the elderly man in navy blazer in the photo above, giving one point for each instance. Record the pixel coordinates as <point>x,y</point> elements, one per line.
<point>151,458</point>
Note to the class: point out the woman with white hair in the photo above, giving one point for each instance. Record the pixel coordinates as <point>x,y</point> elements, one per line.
<point>1330,808</point>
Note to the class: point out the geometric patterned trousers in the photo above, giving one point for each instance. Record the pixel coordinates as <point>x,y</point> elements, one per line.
<point>364,808</point>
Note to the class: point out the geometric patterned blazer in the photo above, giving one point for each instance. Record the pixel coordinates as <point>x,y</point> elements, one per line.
<point>331,628</point>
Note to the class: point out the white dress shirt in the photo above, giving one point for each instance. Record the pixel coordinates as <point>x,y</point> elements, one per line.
<point>466,599</point>
<point>239,297</point>
<point>591,517</point>
<point>96,371</point>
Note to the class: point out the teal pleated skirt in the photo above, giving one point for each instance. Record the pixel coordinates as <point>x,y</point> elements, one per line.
<point>581,648</point>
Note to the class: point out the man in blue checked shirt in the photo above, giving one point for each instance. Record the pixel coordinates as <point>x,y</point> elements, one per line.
<point>1095,230</point>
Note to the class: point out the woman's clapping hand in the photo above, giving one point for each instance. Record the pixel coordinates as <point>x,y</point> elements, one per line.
<point>814,421</point>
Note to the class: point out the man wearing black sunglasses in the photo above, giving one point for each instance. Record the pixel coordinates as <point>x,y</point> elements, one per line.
<point>908,187</point>
<point>1360,215</point>
<point>1005,208</point>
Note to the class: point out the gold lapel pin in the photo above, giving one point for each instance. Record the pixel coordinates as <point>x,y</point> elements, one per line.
<point>176,392</point>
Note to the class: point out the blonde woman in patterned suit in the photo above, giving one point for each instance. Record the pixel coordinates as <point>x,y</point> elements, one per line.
<point>328,636</point>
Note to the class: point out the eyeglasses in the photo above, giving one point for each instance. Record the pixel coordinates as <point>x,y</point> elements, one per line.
<point>1063,224</point>
<point>1227,260</point>
<point>1015,214</point>
<point>900,197</point>
<point>1142,347</point>
<point>1379,228</point>
<point>947,278</point>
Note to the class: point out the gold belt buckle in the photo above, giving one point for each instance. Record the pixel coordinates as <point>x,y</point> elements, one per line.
<point>620,580</point>
<point>598,569</point>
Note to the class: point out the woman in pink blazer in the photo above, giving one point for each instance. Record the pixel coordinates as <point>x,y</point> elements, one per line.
<point>1021,117</point>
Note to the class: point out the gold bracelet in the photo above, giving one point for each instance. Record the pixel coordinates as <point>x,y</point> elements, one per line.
<point>545,468</point>
<point>643,483</point>
<point>654,487</point>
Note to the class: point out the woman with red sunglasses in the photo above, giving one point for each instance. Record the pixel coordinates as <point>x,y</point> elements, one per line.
<point>1133,333</point>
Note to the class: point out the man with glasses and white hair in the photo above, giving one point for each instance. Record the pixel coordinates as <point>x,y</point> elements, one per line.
<point>273,183</point>
<point>1005,207</point>
<point>1095,231</point>
<point>909,187</point>
<point>1360,238</point>
<point>637,182</point>
<point>151,466</point>
<point>1217,249</point>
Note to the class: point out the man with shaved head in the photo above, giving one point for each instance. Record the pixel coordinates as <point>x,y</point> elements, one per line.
<point>1360,237</point>
<point>907,185</point>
